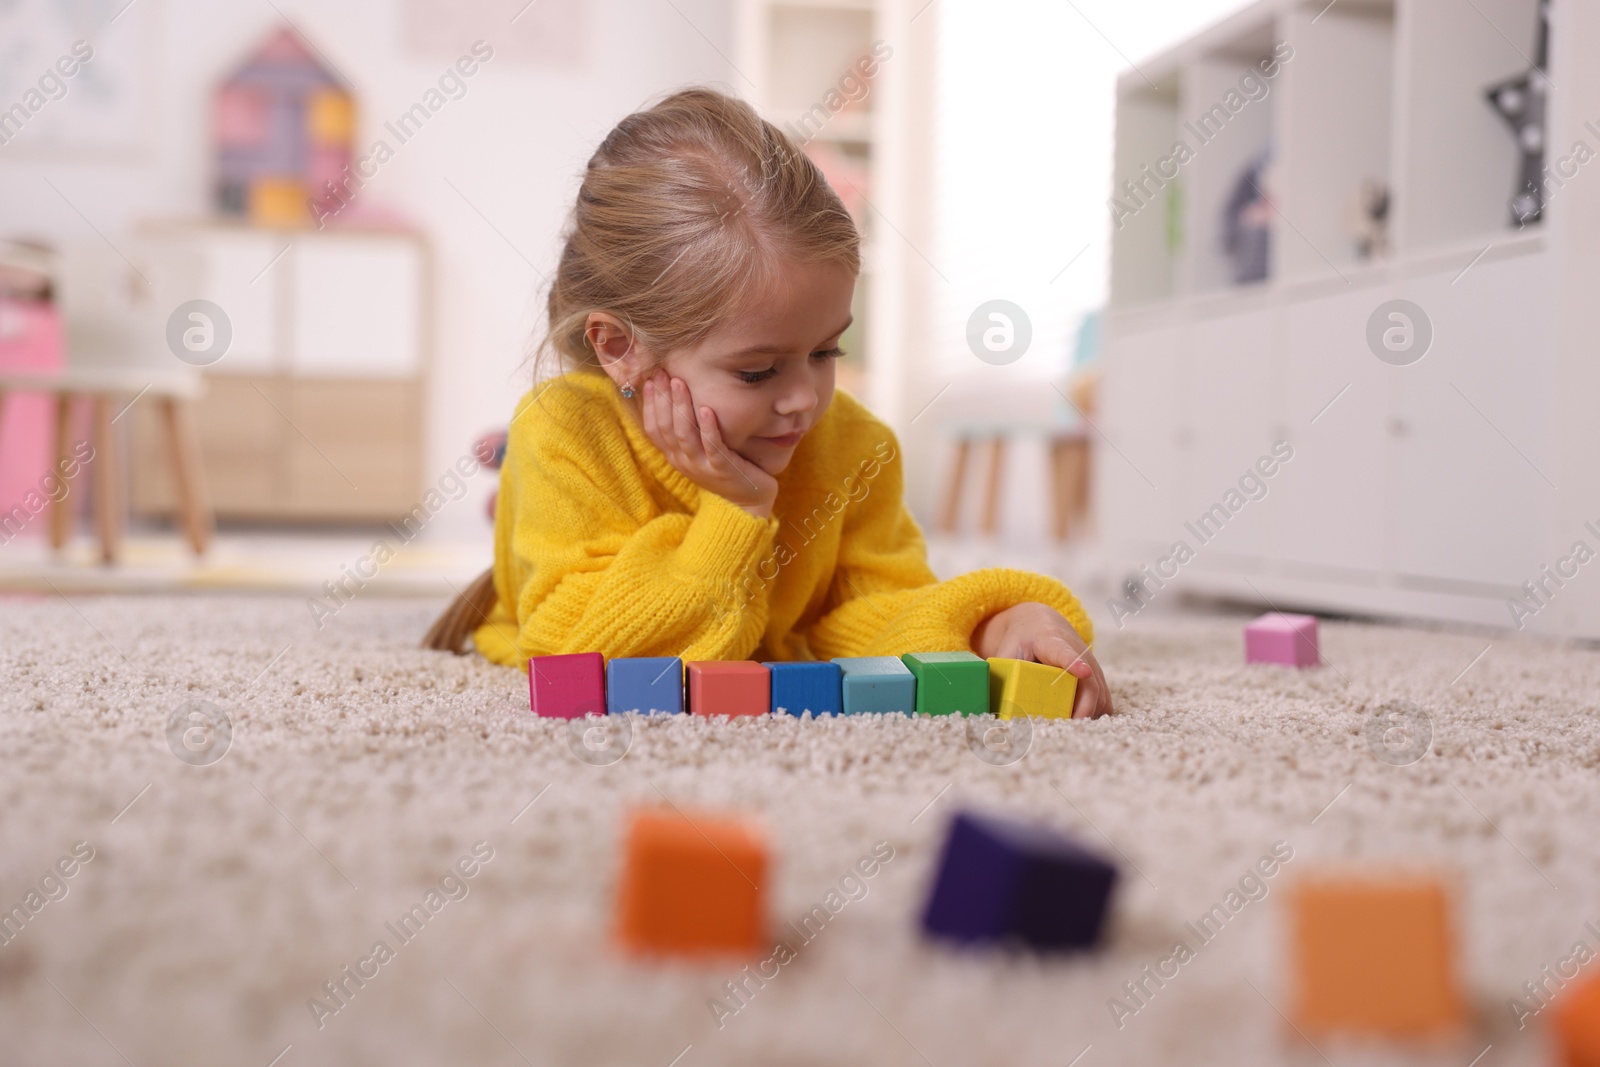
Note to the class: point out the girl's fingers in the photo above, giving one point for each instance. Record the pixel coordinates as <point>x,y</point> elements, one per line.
<point>683,417</point>
<point>710,440</point>
<point>1058,651</point>
<point>670,431</point>
<point>656,402</point>
<point>1102,694</point>
<point>1086,704</point>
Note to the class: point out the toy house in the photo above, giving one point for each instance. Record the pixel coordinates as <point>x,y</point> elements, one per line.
<point>283,124</point>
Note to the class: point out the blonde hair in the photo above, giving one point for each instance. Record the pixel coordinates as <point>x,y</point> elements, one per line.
<point>685,209</point>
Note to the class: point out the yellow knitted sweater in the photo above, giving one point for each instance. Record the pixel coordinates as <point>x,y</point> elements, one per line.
<point>601,545</point>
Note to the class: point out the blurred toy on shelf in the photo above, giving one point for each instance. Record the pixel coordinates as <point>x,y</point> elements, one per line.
<point>283,124</point>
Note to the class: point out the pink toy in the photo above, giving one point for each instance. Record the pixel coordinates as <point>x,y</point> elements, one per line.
<point>567,687</point>
<point>1279,638</point>
<point>30,343</point>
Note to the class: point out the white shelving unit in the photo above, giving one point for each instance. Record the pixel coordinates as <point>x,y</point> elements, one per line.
<point>797,52</point>
<point>1429,490</point>
<point>794,52</point>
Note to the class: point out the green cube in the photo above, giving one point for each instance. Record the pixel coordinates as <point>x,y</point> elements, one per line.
<point>948,682</point>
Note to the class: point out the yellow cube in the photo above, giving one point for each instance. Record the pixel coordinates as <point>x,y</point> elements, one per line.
<point>1021,687</point>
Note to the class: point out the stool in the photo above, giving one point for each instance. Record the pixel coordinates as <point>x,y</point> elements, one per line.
<point>1069,472</point>
<point>108,392</point>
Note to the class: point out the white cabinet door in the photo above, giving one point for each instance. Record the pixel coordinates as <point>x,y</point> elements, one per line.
<point>1476,459</point>
<point>356,306</point>
<point>237,269</point>
<point>244,274</point>
<point>1331,498</point>
<point>1226,426</point>
<point>1136,468</point>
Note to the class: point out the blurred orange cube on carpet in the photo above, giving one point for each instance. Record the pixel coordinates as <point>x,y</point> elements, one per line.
<point>692,884</point>
<point>1374,955</point>
<point>1577,1024</point>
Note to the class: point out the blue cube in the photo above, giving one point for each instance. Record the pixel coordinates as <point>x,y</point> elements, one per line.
<point>646,684</point>
<point>1002,880</point>
<point>877,683</point>
<point>803,686</point>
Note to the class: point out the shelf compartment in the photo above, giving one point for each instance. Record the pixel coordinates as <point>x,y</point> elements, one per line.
<point>1226,117</point>
<point>812,52</point>
<point>1458,159</point>
<point>1337,98</point>
<point>1143,260</point>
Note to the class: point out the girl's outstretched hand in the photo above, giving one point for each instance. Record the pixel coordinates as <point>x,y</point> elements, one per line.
<point>692,442</point>
<point>1040,633</point>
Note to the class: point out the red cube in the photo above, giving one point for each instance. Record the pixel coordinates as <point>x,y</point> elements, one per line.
<point>729,687</point>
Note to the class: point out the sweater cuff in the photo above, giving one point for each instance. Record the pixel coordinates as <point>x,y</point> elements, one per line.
<point>1006,588</point>
<point>724,539</point>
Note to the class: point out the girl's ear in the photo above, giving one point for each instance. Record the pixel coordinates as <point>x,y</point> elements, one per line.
<point>613,344</point>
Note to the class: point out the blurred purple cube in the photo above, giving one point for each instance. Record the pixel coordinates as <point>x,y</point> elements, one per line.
<point>1001,880</point>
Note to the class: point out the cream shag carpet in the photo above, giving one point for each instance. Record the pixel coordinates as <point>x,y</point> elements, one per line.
<point>220,898</point>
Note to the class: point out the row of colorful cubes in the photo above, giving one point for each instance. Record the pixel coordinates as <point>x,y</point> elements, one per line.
<point>931,683</point>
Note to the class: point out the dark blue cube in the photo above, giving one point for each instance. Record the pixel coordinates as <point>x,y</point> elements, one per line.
<point>1005,880</point>
<point>806,685</point>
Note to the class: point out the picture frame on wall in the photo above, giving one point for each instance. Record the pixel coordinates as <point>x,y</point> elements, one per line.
<point>102,108</point>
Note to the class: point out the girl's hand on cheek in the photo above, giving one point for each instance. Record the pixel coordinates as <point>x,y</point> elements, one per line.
<point>1042,634</point>
<point>691,440</point>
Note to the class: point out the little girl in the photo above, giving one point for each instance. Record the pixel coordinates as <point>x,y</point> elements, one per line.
<point>692,485</point>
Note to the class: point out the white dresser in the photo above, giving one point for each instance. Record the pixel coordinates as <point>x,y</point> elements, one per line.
<point>316,412</point>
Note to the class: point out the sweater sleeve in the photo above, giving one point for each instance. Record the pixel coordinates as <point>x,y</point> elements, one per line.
<point>584,572</point>
<point>885,601</point>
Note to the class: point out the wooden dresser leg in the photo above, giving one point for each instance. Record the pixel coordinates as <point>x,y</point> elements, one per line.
<point>952,496</point>
<point>991,494</point>
<point>61,511</point>
<point>108,479</point>
<point>194,504</point>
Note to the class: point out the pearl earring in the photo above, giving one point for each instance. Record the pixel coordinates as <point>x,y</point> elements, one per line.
<point>627,390</point>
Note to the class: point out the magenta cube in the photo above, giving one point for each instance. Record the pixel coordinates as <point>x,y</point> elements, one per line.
<point>1279,638</point>
<point>567,687</point>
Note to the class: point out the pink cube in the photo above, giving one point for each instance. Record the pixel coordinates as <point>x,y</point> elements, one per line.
<point>1279,638</point>
<point>567,687</point>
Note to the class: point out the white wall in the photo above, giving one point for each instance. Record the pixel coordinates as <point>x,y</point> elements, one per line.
<point>514,145</point>
<point>1026,96</point>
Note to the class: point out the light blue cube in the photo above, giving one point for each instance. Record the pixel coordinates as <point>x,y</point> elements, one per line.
<point>877,683</point>
<point>805,685</point>
<point>646,684</point>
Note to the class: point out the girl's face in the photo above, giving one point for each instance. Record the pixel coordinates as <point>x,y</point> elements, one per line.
<point>768,371</point>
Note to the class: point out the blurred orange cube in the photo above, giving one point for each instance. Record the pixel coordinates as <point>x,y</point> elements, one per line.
<point>1577,1024</point>
<point>1374,955</point>
<point>692,884</point>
